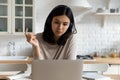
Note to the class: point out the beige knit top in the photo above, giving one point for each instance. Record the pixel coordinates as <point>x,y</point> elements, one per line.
<point>49,51</point>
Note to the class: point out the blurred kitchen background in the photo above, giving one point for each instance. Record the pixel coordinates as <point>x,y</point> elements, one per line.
<point>95,33</point>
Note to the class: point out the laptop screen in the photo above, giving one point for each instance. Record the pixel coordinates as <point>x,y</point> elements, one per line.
<point>57,69</point>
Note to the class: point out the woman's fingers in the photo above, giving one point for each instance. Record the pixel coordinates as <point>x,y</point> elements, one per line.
<point>26,31</point>
<point>30,36</point>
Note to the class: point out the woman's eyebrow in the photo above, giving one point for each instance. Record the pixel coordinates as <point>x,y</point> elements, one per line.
<point>60,21</point>
<point>56,19</point>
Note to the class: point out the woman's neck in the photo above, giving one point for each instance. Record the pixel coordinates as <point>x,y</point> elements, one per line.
<point>56,38</point>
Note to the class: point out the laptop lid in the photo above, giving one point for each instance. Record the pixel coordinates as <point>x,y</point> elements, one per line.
<point>57,69</point>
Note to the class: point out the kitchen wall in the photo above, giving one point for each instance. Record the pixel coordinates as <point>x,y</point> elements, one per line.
<point>92,35</point>
<point>95,37</point>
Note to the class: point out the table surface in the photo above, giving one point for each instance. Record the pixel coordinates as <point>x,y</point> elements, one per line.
<point>96,60</point>
<point>29,61</point>
<point>108,60</point>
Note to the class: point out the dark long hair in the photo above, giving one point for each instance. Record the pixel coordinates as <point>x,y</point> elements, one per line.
<point>48,34</point>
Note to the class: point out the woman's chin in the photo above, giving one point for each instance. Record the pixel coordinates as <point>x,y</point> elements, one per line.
<point>59,35</point>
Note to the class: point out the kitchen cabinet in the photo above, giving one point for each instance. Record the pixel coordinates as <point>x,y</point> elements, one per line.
<point>16,15</point>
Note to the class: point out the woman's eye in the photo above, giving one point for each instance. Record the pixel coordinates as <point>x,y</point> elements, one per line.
<point>65,24</point>
<point>56,22</point>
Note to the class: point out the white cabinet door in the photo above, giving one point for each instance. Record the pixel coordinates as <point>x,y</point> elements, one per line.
<point>4,16</point>
<point>16,15</point>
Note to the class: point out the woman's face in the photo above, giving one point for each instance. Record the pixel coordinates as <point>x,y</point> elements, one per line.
<point>60,25</point>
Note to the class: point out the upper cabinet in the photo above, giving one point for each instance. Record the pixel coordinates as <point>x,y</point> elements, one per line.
<point>4,18</point>
<point>16,15</point>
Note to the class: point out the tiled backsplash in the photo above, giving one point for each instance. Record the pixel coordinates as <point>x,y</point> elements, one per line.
<point>92,37</point>
<point>21,46</point>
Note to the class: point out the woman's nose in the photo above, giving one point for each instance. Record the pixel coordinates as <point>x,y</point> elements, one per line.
<point>60,25</point>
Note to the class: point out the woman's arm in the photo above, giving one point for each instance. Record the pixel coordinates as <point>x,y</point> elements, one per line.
<point>73,47</point>
<point>37,54</point>
<point>31,38</point>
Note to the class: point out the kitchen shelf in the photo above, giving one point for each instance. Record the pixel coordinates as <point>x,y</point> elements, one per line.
<point>110,14</point>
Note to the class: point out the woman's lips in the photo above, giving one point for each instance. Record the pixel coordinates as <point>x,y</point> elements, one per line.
<point>59,31</point>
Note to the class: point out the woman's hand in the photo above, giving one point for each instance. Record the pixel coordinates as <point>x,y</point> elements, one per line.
<point>31,38</point>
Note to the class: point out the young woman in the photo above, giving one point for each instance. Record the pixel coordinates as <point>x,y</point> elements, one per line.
<point>57,41</point>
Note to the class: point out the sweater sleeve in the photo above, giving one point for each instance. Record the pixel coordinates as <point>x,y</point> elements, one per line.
<point>73,47</point>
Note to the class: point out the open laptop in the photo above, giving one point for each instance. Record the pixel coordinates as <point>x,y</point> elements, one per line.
<point>57,69</point>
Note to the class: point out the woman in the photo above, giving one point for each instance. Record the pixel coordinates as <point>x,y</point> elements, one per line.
<point>57,41</point>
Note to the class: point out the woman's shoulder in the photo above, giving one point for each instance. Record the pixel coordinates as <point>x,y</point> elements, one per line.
<point>73,36</point>
<point>72,39</point>
<point>39,34</point>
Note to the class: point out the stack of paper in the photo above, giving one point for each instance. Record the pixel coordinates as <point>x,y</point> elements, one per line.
<point>9,72</point>
<point>95,76</point>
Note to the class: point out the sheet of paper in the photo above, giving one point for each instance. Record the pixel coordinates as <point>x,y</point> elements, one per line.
<point>95,76</point>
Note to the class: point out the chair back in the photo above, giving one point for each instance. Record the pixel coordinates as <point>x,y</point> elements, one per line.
<point>99,68</point>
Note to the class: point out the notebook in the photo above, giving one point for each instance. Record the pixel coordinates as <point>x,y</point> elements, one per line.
<point>57,69</point>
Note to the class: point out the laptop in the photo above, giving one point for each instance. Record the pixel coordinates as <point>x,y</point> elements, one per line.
<point>57,69</point>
